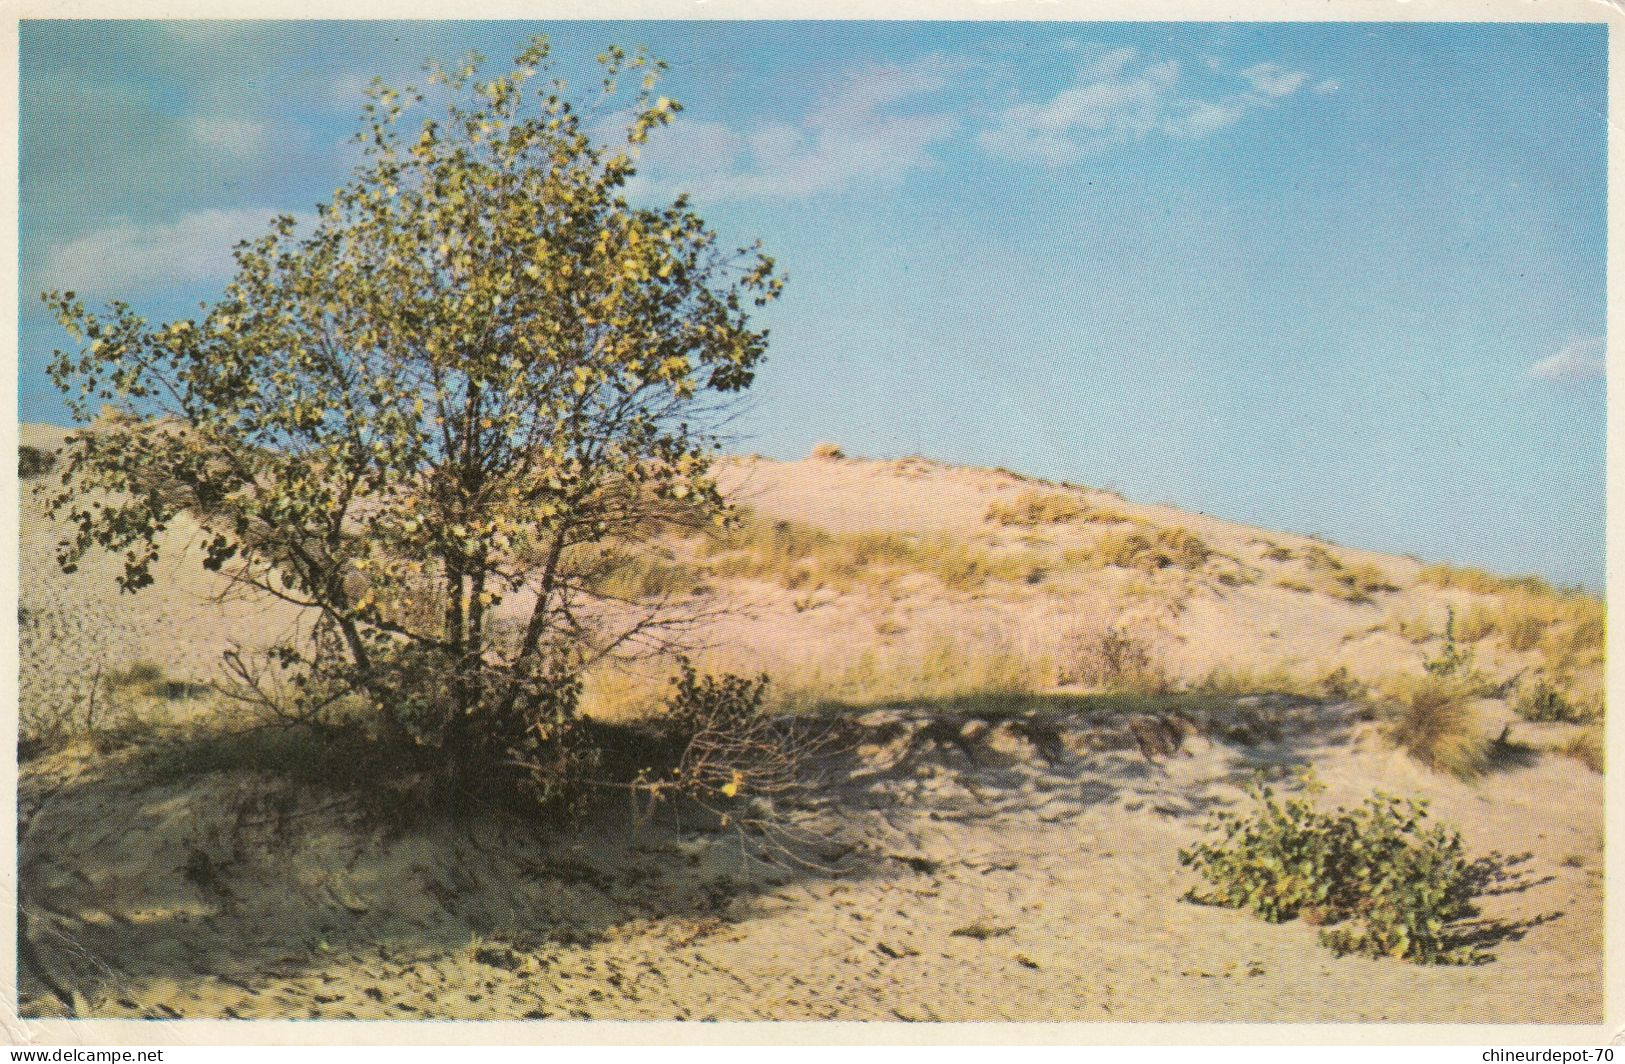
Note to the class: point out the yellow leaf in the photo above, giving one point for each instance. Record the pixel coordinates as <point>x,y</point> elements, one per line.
<point>731,788</point>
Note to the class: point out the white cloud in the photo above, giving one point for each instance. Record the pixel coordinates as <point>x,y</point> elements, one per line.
<point>1326,87</point>
<point>126,256</point>
<point>238,137</point>
<point>1582,358</point>
<point>1117,99</point>
<point>862,133</point>
<point>1272,80</point>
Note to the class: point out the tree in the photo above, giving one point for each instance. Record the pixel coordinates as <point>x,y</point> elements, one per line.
<point>434,420</point>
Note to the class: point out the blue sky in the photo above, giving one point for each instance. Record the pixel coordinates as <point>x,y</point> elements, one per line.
<point>1345,279</point>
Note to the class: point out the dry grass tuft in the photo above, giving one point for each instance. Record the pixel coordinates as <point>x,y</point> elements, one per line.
<point>1176,548</point>
<point>1236,680</point>
<point>801,557</point>
<point>1038,508</point>
<point>1479,581</point>
<point>1587,747</point>
<point>1432,718</point>
<point>827,452</point>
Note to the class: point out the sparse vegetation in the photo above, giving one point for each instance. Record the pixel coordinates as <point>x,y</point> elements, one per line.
<point>1432,718</point>
<point>1341,686</point>
<point>1166,548</point>
<point>1588,747</point>
<point>1479,581</point>
<point>1113,659</point>
<point>645,575</point>
<point>1377,881</point>
<point>1037,508</point>
<point>1234,680</point>
<point>1545,703</point>
<point>827,452</point>
<point>944,669</point>
<point>799,556</point>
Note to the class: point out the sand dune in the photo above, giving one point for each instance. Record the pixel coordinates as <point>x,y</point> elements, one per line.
<point>965,858</point>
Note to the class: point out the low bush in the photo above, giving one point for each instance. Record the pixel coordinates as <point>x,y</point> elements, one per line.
<point>1111,659</point>
<point>733,756</point>
<point>1379,882</point>
<point>1341,686</point>
<point>1547,704</point>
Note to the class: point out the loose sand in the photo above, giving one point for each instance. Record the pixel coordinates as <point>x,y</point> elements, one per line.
<point>984,878</point>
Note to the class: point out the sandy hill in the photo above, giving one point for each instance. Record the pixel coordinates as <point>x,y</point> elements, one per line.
<point>997,840</point>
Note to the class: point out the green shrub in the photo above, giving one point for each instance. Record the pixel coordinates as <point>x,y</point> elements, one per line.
<point>1452,660</point>
<point>1381,883</point>
<point>1547,704</point>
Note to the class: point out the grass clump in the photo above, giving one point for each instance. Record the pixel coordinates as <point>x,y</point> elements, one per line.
<point>1377,881</point>
<point>1588,747</point>
<point>647,576</point>
<point>1236,680</point>
<point>1432,718</point>
<point>827,452</point>
<point>1176,548</point>
<point>1037,508</point>
<point>1479,581</point>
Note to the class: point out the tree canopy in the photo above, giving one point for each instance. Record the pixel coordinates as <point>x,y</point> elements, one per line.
<point>432,419</point>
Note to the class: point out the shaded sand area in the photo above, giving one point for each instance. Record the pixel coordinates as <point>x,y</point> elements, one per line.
<point>1016,866</point>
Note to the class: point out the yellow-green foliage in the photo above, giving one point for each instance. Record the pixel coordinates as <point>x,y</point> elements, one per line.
<point>1166,548</point>
<point>1294,585</point>
<point>1232,680</point>
<point>1432,718</point>
<point>827,452</point>
<point>1037,508</point>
